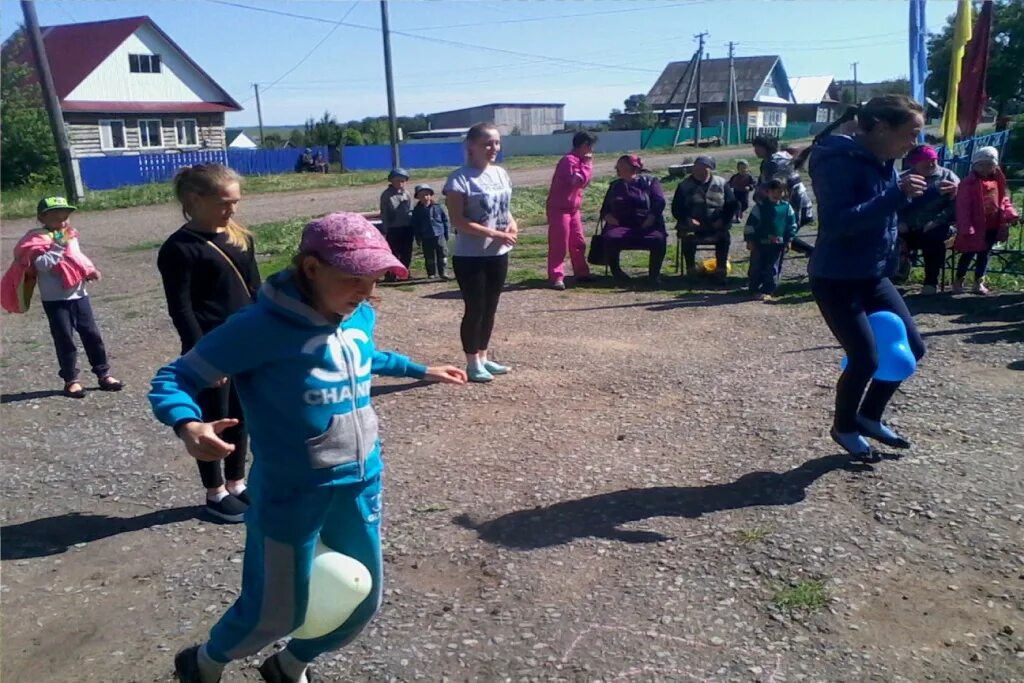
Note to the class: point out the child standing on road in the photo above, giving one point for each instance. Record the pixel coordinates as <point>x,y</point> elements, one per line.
<point>742,184</point>
<point>430,224</point>
<point>770,229</point>
<point>209,272</point>
<point>317,463</point>
<point>396,217</point>
<point>984,214</point>
<point>51,257</point>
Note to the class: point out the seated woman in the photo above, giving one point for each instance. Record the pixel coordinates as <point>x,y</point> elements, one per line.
<point>928,221</point>
<point>633,215</point>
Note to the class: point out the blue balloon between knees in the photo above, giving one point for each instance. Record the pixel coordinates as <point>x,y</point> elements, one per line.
<point>896,362</point>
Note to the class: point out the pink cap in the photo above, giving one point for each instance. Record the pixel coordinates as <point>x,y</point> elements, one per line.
<point>922,153</point>
<point>351,244</point>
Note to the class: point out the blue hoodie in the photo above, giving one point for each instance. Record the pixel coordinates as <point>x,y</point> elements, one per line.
<point>858,197</point>
<point>304,384</point>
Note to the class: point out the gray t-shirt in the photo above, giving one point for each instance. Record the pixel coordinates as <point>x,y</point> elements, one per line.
<point>488,194</point>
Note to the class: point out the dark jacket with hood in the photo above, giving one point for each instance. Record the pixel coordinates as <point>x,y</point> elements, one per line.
<point>858,197</point>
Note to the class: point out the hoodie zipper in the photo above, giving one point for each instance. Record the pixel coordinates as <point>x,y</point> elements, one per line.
<point>351,368</point>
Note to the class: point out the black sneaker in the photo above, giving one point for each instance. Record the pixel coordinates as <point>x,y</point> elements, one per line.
<point>271,672</point>
<point>186,666</point>
<point>244,497</point>
<point>228,509</point>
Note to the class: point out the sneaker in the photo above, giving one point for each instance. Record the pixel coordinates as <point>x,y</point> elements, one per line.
<point>958,286</point>
<point>228,509</point>
<point>558,285</point>
<point>444,277</point>
<point>186,666</point>
<point>271,672</point>
<point>243,497</point>
<point>980,288</point>
<point>496,368</point>
<point>767,298</point>
<point>929,290</point>
<point>760,296</point>
<point>479,375</point>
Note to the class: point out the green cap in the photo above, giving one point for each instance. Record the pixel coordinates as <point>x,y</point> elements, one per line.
<point>50,203</point>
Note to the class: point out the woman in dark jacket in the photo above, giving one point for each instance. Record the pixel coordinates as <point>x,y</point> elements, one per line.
<point>859,194</point>
<point>633,213</point>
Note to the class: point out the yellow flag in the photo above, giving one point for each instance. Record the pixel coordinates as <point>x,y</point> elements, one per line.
<point>961,36</point>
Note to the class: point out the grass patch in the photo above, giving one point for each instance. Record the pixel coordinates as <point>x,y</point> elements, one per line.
<point>750,536</point>
<point>806,595</point>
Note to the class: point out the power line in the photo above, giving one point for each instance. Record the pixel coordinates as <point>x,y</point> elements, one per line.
<point>828,41</point>
<point>646,8</point>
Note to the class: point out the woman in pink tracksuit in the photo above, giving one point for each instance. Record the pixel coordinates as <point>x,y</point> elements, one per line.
<point>565,225</point>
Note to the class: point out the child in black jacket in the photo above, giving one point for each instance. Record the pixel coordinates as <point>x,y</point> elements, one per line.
<point>430,225</point>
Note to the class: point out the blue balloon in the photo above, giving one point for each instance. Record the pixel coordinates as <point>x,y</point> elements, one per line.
<point>896,362</point>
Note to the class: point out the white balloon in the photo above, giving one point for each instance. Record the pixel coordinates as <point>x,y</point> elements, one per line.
<point>337,585</point>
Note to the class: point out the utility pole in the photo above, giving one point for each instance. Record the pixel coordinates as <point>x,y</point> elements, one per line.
<point>259,110</point>
<point>729,100</point>
<point>392,119</point>
<point>60,136</point>
<point>856,99</point>
<point>700,58</point>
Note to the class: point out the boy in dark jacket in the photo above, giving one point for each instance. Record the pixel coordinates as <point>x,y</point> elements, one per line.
<point>742,184</point>
<point>430,225</point>
<point>770,229</point>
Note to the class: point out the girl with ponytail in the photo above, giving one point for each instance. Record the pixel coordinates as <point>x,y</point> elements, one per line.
<point>209,272</point>
<point>859,193</point>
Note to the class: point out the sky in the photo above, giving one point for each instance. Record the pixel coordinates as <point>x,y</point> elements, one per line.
<point>447,54</point>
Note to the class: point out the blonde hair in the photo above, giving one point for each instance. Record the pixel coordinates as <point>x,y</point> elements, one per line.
<point>206,180</point>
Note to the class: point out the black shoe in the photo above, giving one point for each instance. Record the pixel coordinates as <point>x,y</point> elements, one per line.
<point>186,665</point>
<point>271,672</point>
<point>243,497</point>
<point>881,434</point>
<point>228,509</point>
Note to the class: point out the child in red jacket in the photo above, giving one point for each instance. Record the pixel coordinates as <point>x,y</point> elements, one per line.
<point>984,214</point>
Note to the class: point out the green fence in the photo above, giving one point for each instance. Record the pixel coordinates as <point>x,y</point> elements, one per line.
<point>663,137</point>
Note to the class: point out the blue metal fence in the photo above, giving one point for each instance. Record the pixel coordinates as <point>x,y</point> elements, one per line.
<point>105,173</point>
<point>960,160</point>
<point>378,157</point>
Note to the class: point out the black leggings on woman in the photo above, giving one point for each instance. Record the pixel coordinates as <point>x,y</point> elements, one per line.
<point>481,279</point>
<point>216,404</point>
<point>846,305</point>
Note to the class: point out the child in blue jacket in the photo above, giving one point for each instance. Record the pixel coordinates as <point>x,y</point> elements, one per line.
<point>302,359</point>
<point>430,225</point>
<point>859,194</point>
<point>770,230</point>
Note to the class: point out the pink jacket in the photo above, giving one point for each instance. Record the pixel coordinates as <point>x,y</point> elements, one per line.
<point>572,175</point>
<point>970,214</point>
<point>19,281</point>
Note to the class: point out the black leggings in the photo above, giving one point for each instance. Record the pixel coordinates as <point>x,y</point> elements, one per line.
<point>219,403</point>
<point>846,305</point>
<point>981,265</point>
<point>481,279</point>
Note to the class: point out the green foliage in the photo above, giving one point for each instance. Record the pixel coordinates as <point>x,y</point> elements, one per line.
<point>637,114</point>
<point>1005,82</point>
<point>802,595</point>
<point>28,156</point>
<point>273,141</point>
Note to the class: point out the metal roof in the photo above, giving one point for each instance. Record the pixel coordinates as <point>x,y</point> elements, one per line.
<point>751,74</point>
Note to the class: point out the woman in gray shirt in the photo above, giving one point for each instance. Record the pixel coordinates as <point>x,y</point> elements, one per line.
<point>479,196</point>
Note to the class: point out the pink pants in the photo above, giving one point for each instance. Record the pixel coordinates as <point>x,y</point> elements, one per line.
<point>565,233</point>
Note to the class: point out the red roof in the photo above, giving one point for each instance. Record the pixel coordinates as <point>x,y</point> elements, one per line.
<point>145,107</point>
<point>75,50</point>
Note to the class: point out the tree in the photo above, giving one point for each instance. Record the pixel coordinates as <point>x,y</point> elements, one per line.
<point>28,155</point>
<point>297,138</point>
<point>637,114</point>
<point>273,141</point>
<point>1005,82</point>
<point>326,131</point>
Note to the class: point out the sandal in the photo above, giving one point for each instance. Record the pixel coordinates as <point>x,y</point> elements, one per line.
<point>108,383</point>
<point>79,393</point>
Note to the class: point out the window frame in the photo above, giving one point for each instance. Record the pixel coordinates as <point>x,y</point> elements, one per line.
<point>195,131</point>
<point>105,123</point>
<point>773,117</point>
<point>151,61</point>
<point>160,123</point>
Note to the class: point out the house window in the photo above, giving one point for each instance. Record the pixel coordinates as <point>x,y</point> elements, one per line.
<point>150,133</point>
<point>112,134</point>
<point>186,132</point>
<point>773,118</point>
<point>144,64</point>
<point>824,115</point>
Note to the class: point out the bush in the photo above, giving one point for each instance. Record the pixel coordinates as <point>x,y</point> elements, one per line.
<point>28,155</point>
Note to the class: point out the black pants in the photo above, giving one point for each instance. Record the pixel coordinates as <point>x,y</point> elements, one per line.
<point>846,305</point>
<point>435,255</point>
<point>981,265</point>
<point>657,258</point>
<point>481,279</point>
<point>400,239</point>
<point>722,240</point>
<point>765,267</point>
<point>216,404</point>
<point>67,317</point>
<point>801,247</point>
<point>932,245</point>
<point>743,200</point>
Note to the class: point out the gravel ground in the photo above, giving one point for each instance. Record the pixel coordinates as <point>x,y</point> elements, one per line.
<point>634,503</point>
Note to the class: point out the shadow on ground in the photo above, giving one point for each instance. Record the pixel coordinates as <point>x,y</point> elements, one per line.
<point>601,516</point>
<point>54,535</point>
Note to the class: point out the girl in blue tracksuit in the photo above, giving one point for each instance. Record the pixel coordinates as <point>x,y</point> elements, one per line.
<point>302,359</point>
<point>859,193</point>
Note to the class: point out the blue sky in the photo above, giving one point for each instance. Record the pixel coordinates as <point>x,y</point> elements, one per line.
<point>588,54</point>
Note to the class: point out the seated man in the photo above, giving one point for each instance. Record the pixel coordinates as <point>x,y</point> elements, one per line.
<point>305,163</point>
<point>704,206</point>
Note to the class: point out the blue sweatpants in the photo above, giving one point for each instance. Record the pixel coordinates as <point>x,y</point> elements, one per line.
<point>282,527</point>
<point>765,267</point>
